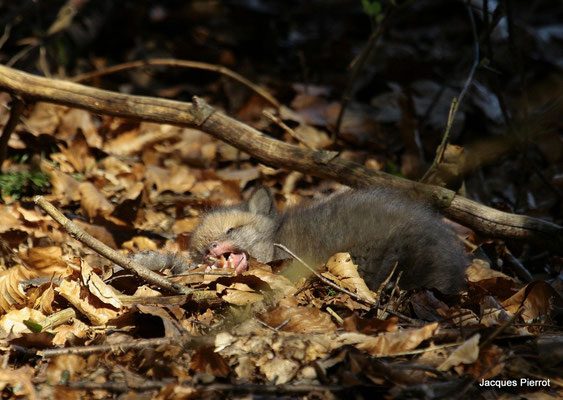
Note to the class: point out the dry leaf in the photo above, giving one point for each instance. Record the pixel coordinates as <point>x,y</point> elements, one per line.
<point>301,319</point>
<point>31,216</point>
<point>9,218</point>
<point>342,266</point>
<point>99,232</point>
<point>19,381</point>
<point>45,117</point>
<point>177,179</point>
<point>80,299</point>
<point>389,343</point>
<point>238,294</point>
<point>140,243</point>
<point>538,298</point>
<point>206,361</point>
<point>278,283</point>
<point>65,187</point>
<point>354,323</point>
<point>44,302</point>
<point>449,170</point>
<point>492,313</point>
<point>93,202</point>
<point>13,322</point>
<point>77,120</point>
<point>65,367</point>
<point>426,306</point>
<point>491,356</point>
<point>185,225</point>
<point>480,270</point>
<point>97,287</point>
<point>278,370</point>
<point>11,292</point>
<point>78,154</point>
<point>46,261</point>
<point>467,353</point>
<point>132,142</point>
<point>65,333</point>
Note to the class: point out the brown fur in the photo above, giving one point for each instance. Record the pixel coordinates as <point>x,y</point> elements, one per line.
<point>378,227</point>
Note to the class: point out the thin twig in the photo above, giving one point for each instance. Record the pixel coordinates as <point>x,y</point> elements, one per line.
<point>5,35</point>
<point>209,296</point>
<point>120,387</point>
<point>287,129</point>
<point>218,273</point>
<point>382,286</point>
<point>356,69</point>
<point>184,64</point>
<point>385,282</point>
<point>237,387</point>
<point>457,100</point>
<point>56,319</point>
<point>186,341</point>
<point>337,317</point>
<point>15,113</point>
<point>277,328</point>
<point>516,266</point>
<point>339,288</point>
<point>395,288</point>
<point>420,351</point>
<point>499,330</point>
<point>493,78</point>
<point>108,252</point>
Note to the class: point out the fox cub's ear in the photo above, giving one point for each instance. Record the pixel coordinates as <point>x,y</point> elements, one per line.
<point>262,202</point>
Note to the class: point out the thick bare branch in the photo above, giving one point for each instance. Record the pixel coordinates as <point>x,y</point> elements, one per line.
<point>273,152</point>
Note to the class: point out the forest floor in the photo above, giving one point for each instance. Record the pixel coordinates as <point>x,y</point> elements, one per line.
<point>381,84</point>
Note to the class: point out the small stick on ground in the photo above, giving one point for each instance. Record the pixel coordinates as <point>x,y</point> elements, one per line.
<point>186,341</point>
<point>420,351</point>
<point>56,319</point>
<point>275,329</point>
<point>218,273</point>
<point>395,289</point>
<point>516,266</point>
<point>337,317</point>
<point>385,283</point>
<point>499,330</point>
<point>106,251</point>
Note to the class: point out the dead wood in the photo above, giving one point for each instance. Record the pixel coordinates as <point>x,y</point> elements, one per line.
<point>170,62</point>
<point>323,164</point>
<point>108,252</point>
<point>186,341</point>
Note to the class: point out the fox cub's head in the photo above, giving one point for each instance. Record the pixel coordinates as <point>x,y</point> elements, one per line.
<point>235,232</point>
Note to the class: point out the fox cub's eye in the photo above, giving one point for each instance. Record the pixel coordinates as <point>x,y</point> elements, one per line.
<point>229,231</point>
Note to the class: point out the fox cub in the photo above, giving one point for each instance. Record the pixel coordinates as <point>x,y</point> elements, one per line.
<point>378,227</point>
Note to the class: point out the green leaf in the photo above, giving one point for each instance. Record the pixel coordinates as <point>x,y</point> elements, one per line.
<point>22,183</point>
<point>371,8</point>
<point>33,326</point>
